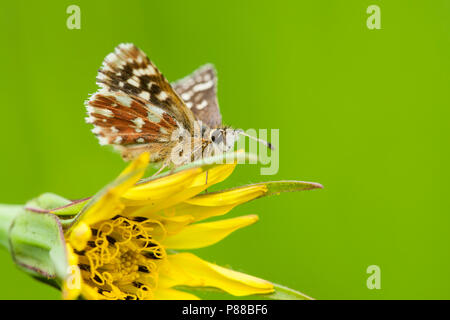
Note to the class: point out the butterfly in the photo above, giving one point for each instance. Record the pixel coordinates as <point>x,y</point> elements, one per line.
<point>137,110</point>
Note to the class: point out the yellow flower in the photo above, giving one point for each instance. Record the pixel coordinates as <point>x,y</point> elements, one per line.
<point>123,240</point>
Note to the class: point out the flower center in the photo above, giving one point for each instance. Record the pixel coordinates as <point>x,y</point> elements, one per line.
<point>122,257</point>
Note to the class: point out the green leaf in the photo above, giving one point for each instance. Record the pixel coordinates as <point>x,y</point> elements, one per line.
<point>8,212</point>
<point>71,209</point>
<point>280,293</point>
<point>277,187</point>
<point>53,203</point>
<point>285,293</point>
<point>37,244</point>
<point>47,201</point>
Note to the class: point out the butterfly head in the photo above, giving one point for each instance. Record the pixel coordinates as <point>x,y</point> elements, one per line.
<point>223,139</point>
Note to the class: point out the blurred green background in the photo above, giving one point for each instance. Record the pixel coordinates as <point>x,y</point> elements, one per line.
<point>364,112</point>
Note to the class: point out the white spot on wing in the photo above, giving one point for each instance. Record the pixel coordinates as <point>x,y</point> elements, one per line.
<point>102,111</point>
<point>96,130</point>
<point>203,86</point>
<point>150,70</point>
<point>90,119</point>
<point>202,105</point>
<point>101,76</point>
<point>186,95</point>
<point>138,122</point>
<point>144,95</point>
<point>111,57</point>
<point>155,113</point>
<point>133,82</point>
<point>103,141</point>
<point>124,100</point>
<point>162,95</point>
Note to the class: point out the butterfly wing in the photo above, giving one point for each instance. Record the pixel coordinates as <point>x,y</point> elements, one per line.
<point>136,109</point>
<point>130,71</point>
<point>199,92</point>
<point>131,124</point>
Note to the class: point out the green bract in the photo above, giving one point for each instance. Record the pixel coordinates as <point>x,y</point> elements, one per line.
<point>36,242</point>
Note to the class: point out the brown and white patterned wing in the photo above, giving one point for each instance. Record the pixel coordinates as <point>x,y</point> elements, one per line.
<point>130,71</point>
<point>131,124</point>
<point>199,92</point>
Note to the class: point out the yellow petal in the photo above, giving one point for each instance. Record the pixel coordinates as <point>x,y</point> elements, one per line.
<point>230,197</point>
<point>218,203</point>
<point>136,166</point>
<point>215,175</point>
<point>215,204</point>
<point>106,204</point>
<point>90,293</point>
<point>154,190</point>
<point>165,192</point>
<point>189,270</point>
<point>172,294</point>
<point>80,235</point>
<point>172,225</point>
<point>205,234</point>
<point>71,287</point>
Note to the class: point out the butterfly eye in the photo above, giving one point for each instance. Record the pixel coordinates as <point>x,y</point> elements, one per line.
<point>216,136</point>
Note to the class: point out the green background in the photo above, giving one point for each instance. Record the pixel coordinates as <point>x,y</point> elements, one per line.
<point>364,112</point>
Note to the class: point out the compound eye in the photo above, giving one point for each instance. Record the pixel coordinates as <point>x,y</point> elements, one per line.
<point>217,136</point>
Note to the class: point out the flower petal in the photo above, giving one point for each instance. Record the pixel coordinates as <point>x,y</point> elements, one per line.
<point>136,167</point>
<point>71,286</point>
<point>80,235</point>
<point>154,190</point>
<point>229,197</point>
<point>219,203</point>
<point>186,269</point>
<point>172,294</point>
<point>173,224</point>
<point>165,192</point>
<point>90,293</point>
<point>216,204</point>
<point>205,234</point>
<point>106,203</point>
<point>157,193</point>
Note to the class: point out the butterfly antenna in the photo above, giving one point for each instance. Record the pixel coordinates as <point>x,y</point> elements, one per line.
<point>267,144</point>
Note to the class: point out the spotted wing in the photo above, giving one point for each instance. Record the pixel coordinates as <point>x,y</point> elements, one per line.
<point>130,71</point>
<point>199,92</point>
<point>131,124</point>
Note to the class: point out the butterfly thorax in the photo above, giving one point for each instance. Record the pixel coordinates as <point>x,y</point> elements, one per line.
<point>204,142</point>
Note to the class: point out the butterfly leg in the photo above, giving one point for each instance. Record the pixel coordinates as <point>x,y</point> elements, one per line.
<point>164,165</point>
